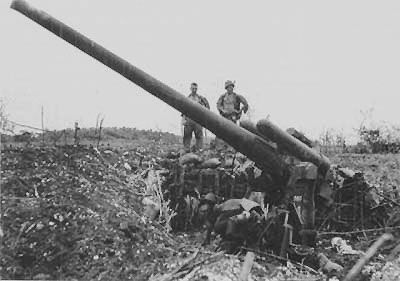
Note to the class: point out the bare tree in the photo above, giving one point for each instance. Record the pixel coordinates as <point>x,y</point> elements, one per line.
<point>6,126</point>
<point>100,128</point>
<point>76,136</point>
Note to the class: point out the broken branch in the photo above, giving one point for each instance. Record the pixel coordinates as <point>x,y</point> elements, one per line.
<point>247,265</point>
<point>320,233</point>
<point>356,269</point>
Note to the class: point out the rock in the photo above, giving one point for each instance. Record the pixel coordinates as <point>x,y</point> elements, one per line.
<point>342,247</point>
<point>151,211</point>
<point>151,208</point>
<point>327,265</point>
<point>230,162</point>
<point>124,225</point>
<point>39,226</point>
<point>127,166</point>
<point>42,276</point>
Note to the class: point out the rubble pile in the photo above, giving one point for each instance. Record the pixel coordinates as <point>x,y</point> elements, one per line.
<point>352,203</point>
<point>380,175</point>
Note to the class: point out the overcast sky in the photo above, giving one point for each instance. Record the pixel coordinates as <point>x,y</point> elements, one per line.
<point>308,64</point>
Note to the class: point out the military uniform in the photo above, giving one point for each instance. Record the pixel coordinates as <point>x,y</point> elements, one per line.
<point>233,220</point>
<point>190,126</point>
<point>229,103</point>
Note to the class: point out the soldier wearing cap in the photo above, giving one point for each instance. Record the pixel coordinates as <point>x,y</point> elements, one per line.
<point>189,126</point>
<point>229,103</point>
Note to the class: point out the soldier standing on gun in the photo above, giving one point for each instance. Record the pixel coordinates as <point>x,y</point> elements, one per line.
<point>229,103</point>
<point>189,126</point>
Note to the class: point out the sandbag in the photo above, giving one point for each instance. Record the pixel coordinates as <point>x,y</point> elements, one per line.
<point>248,205</point>
<point>228,205</point>
<point>230,162</point>
<point>210,163</point>
<point>242,204</point>
<point>190,158</point>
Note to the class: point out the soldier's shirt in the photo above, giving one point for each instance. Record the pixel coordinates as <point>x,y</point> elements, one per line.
<point>229,102</point>
<point>196,98</point>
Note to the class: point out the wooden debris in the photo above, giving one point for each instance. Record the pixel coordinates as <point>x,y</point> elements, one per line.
<point>191,274</point>
<point>338,233</point>
<point>394,253</point>
<point>247,265</point>
<point>300,266</point>
<point>329,266</point>
<point>368,255</point>
<point>19,234</point>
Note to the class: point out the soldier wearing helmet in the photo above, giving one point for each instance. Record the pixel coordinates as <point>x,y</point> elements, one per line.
<point>229,103</point>
<point>206,206</point>
<point>189,126</point>
<point>233,219</point>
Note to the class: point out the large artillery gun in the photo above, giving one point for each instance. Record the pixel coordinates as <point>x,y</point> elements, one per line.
<point>301,180</point>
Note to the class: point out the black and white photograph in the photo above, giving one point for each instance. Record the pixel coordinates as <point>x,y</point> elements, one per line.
<point>200,140</point>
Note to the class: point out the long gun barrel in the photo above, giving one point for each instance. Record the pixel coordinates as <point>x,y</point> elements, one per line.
<point>242,140</point>
<point>270,132</point>
<point>293,145</point>
<point>251,127</point>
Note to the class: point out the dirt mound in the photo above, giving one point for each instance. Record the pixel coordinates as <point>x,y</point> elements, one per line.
<point>73,213</point>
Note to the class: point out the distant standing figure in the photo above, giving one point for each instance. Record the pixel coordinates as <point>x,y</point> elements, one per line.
<point>229,103</point>
<point>190,126</point>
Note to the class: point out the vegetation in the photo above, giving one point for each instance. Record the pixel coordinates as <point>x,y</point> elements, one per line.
<point>109,136</point>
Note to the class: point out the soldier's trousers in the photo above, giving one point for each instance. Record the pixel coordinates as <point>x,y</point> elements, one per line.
<point>189,128</point>
<point>232,117</point>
